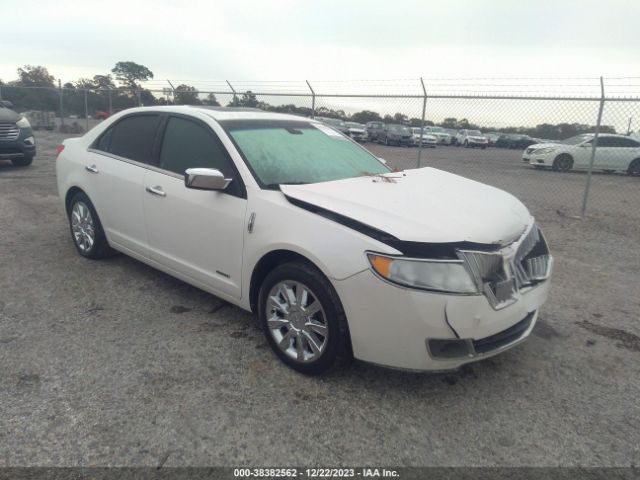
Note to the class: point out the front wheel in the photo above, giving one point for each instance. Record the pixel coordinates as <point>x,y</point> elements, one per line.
<point>303,319</point>
<point>22,161</point>
<point>634,168</point>
<point>562,163</point>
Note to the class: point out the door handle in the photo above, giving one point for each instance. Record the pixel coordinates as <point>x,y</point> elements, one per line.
<point>157,190</point>
<point>91,168</point>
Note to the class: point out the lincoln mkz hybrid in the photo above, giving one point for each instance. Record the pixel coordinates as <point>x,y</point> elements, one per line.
<point>338,255</point>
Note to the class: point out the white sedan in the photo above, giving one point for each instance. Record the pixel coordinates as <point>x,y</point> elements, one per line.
<point>336,254</point>
<point>615,153</point>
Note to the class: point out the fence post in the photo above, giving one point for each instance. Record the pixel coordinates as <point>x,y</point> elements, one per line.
<point>594,146</point>
<point>313,100</point>
<point>110,103</point>
<point>235,96</point>
<point>0,93</point>
<point>86,110</point>
<point>139,99</point>
<point>61,110</point>
<point>424,109</point>
<point>173,89</point>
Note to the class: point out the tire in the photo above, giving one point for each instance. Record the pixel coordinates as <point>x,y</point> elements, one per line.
<point>86,230</point>
<point>634,168</point>
<point>562,163</point>
<point>290,328</point>
<point>22,162</point>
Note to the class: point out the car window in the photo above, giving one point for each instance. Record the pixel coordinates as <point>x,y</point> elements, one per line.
<point>618,142</point>
<point>188,144</point>
<point>133,137</point>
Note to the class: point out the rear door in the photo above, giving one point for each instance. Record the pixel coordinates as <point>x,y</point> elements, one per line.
<point>196,233</point>
<point>117,163</point>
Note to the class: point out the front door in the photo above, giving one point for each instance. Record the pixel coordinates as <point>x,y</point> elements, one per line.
<point>197,233</point>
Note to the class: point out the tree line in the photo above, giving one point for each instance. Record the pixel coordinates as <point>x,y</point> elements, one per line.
<point>122,88</point>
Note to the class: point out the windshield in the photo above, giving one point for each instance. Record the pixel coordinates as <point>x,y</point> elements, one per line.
<point>295,152</point>
<point>576,140</point>
<point>473,132</point>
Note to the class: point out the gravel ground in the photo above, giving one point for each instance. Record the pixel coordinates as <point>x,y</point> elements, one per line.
<point>114,363</point>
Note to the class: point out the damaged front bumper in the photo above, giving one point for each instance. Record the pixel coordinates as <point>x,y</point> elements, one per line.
<point>407,329</point>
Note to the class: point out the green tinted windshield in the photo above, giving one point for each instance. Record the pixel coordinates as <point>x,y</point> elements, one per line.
<point>299,152</point>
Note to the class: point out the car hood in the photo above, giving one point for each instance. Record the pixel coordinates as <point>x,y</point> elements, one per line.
<point>422,205</point>
<point>8,116</point>
<point>543,145</point>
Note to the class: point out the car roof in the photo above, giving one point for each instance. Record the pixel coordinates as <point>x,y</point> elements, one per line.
<point>222,113</point>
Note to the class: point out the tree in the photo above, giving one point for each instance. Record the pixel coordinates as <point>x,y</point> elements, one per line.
<point>104,82</point>
<point>130,73</point>
<point>400,118</point>
<point>186,95</point>
<point>35,76</point>
<point>450,122</point>
<point>211,100</point>
<point>248,99</point>
<point>366,116</point>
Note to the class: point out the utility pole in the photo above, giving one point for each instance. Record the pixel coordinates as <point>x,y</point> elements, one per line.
<point>594,146</point>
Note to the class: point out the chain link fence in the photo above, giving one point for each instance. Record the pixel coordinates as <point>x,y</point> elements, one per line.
<point>598,172</point>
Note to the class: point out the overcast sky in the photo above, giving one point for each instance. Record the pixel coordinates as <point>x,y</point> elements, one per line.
<point>345,39</point>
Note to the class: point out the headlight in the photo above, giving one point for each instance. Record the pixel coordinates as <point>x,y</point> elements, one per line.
<point>23,123</point>
<point>544,150</point>
<point>441,275</point>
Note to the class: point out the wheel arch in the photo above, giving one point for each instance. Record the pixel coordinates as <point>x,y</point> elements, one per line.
<point>71,192</point>
<point>267,263</point>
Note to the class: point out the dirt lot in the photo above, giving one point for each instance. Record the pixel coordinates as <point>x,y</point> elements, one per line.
<point>114,363</point>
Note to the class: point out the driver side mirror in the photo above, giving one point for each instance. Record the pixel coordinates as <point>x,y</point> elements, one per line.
<point>205,179</point>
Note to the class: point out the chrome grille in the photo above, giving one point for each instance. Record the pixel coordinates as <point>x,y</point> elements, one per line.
<point>9,131</point>
<point>500,275</point>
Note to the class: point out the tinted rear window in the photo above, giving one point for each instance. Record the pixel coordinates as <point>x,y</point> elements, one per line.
<point>133,137</point>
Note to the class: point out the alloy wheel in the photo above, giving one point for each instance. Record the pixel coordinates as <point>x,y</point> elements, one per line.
<point>297,321</point>
<point>82,226</point>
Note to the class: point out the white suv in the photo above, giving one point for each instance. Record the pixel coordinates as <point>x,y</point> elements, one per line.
<point>472,139</point>
<point>288,218</point>
<point>615,153</point>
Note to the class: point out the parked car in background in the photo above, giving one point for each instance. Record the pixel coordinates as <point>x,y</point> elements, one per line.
<point>357,131</point>
<point>615,153</point>
<point>426,139</point>
<point>17,142</point>
<point>453,134</point>
<point>514,141</point>
<point>104,114</point>
<point>336,123</point>
<point>337,255</point>
<point>471,139</point>
<point>442,136</point>
<point>396,134</point>
<point>492,138</point>
<point>373,130</point>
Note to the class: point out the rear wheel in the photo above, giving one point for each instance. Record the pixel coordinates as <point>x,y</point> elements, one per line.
<point>563,163</point>
<point>22,161</point>
<point>86,229</point>
<point>303,318</point>
<point>634,168</point>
